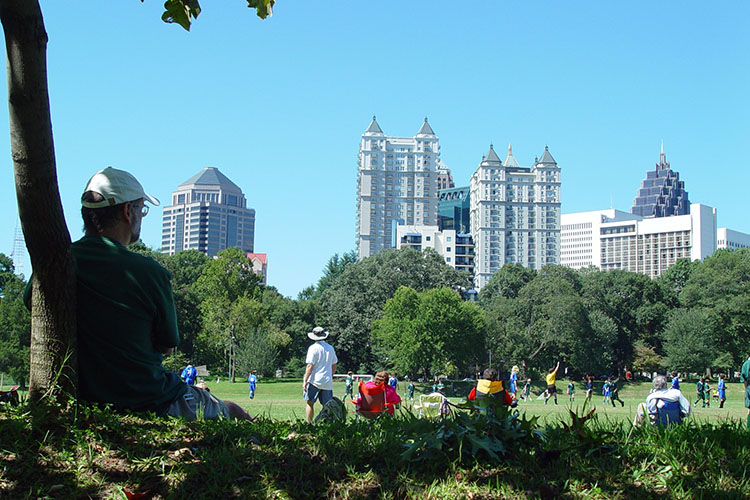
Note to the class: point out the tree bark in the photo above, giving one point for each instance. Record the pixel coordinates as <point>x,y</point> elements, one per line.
<point>53,334</point>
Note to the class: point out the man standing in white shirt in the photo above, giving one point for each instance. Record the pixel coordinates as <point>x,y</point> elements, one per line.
<point>321,366</point>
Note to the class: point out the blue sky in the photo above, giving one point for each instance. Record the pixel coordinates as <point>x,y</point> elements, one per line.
<point>279,105</point>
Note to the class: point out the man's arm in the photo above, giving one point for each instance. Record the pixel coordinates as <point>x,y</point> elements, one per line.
<point>308,372</point>
<point>333,369</point>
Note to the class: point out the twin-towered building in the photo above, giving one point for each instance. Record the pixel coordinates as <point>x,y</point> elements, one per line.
<point>509,213</point>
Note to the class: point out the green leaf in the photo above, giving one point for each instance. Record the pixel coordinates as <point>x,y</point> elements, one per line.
<point>264,8</point>
<point>181,12</point>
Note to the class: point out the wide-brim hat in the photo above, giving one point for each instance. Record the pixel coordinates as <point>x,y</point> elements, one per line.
<point>318,334</point>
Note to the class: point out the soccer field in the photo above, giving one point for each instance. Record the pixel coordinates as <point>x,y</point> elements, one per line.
<point>283,400</point>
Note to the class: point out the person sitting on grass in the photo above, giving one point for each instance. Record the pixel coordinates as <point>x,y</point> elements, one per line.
<point>490,387</point>
<point>125,311</point>
<point>663,406</point>
<point>391,396</point>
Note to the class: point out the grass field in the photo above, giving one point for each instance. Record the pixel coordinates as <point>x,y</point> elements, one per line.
<point>283,400</point>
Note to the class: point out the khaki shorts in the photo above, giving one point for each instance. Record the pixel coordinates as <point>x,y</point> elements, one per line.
<point>198,404</point>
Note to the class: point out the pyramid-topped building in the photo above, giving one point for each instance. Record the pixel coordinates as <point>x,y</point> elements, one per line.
<point>662,193</point>
<point>208,213</point>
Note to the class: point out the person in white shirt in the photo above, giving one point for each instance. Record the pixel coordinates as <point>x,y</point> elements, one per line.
<point>317,383</point>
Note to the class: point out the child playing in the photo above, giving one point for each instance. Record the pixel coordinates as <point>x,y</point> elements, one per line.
<point>699,393</point>
<point>722,388</point>
<point>551,389</point>
<point>706,394</point>
<point>589,387</point>
<point>513,381</point>
<point>614,392</point>
<point>605,391</point>
<point>410,390</point>
<point>571,391</point>
<point>527,390</point>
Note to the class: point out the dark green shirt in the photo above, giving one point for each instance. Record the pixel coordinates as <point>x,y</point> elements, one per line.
<point>125,309</point>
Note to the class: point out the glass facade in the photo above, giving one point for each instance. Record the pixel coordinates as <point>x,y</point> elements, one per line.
<point>454,206</point>
<point>662,193</point>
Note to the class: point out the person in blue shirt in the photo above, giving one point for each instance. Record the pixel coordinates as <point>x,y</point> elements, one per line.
<point>189,374</point>
<point>722,387</point>
<point>675,381</point>
<point>252,379</point>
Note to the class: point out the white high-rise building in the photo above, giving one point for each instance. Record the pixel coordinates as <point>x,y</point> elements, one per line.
<point>728,238</point>
<point>396,181</point>
<point>515,214</point>
<point>611,239</point>
<point>208,213</point>
<point>456,249</point>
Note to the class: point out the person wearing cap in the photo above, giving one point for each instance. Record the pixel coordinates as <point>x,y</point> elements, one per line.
<point>126,318</point>
<point>317,384</point>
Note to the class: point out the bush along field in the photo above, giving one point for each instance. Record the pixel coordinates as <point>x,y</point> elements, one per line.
<point>86,452</point>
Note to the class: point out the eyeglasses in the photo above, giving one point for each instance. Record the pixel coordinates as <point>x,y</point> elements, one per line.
<point>143,208</point>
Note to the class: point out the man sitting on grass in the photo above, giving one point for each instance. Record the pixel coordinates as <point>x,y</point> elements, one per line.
<point>126,317</point>
<point>662,406</point>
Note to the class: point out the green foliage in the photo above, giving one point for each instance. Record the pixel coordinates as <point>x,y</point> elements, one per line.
<point>490,433</point>
<point>507,282</point>
<point>689,340</point>
<point>646,359</point>
<point>15,325</point>
<point>334,268</point>
<point>259,350</point>
<point>720,285</point>
<point>183,12</point>
<point>356,298</point>
<point>426,332</point>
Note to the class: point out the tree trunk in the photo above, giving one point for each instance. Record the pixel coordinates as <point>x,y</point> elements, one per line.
<point>53,334</point>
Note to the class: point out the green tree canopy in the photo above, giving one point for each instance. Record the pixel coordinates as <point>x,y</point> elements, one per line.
<point>356,298</point>
<point>429,332</point>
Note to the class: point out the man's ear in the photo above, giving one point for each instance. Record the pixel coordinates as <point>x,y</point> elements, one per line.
<point>127,213</point>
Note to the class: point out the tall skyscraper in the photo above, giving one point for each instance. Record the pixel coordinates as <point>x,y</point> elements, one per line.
<point>662,193</point>
<point>396,181</point>
<point>208,213</point>
<point>515,213</point>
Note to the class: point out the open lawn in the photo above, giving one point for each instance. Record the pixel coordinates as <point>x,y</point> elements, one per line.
<point>89,452</point>
<point>282,399</point>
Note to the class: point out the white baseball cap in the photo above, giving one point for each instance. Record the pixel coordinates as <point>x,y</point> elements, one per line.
<point>117,186</point>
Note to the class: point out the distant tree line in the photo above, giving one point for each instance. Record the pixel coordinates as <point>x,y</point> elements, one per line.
<point>403,310</point>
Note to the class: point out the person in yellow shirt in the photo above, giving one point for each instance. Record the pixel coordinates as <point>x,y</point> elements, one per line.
<point>551,389</point>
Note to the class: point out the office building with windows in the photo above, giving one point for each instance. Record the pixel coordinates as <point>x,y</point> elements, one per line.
<point>454,206</point>
<point>208,213</point>
<point>515,213</point>
<point>456,249</point>
<point>396,182</point>
<point>662,193</point>
<point>727,238</point>
<point>611,239</point>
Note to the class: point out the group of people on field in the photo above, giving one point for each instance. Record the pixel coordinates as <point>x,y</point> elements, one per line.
<point>127,321</point>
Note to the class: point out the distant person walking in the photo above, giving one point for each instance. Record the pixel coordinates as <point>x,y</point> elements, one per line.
<point>571,391</point>
<point>551,388</point>
<point>252,380</point>
<point>317,384</point>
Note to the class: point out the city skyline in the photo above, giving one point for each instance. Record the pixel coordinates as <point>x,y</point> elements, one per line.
<point>279,106</point>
